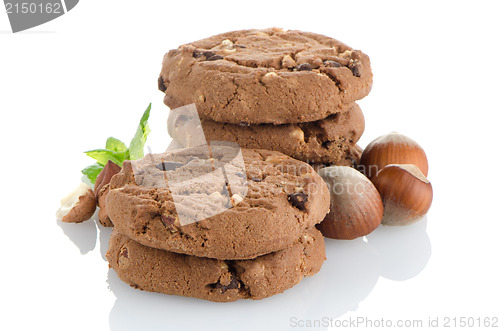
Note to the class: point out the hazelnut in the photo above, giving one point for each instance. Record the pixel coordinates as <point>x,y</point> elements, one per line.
<point>392,148</point>
<point>406,193</point>
<point>78,206</point>
<point>109,170</point>
<point>355,206</point>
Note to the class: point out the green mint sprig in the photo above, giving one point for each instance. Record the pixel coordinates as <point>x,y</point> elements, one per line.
<point>117,152</point>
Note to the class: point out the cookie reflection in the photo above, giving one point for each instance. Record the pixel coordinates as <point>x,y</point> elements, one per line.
<point>350,273</point>
<point>347,277</point>
<point>104,234</point>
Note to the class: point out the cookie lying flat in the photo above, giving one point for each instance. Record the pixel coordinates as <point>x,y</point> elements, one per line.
<point>161,271</point>
<point>265,76</point>
<point>214,207</point>
<point>326,140</point>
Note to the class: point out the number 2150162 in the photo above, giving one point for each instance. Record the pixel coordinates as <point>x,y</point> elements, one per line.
<point>462,322</point>
<point>33,8</point>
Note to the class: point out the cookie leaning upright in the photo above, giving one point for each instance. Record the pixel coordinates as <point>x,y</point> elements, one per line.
<point>265,76</point>
<point>282,197</point>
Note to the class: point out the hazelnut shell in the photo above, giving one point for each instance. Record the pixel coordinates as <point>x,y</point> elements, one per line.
<point>355,206</point>
<point>82,210</point>
<point>406,193</point>
<point>392,148</point>
<point>109,170</point>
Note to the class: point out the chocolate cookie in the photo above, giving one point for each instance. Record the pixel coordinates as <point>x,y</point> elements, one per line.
<point>219,203</point>
<point>161,271</point>
<point>326,140</point>
<point>349,159</point>
<point>265,76</point>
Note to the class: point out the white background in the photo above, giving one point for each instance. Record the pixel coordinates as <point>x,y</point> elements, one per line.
<point>67,85</point>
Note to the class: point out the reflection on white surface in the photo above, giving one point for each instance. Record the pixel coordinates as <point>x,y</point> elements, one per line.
<point>350,273</point>
<point>404,250</point>
<point>104,234</point>
<point>83,235</point>
<point>346,279</point>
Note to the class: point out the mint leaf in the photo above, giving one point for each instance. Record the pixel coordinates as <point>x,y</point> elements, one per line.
<point>92,172</point>
<point>117,152</point>
<point>115,145</point>
<point>136,148</point>
<point>102,156</point>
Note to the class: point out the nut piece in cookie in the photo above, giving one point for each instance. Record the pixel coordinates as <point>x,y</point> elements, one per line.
<point>78,206</point>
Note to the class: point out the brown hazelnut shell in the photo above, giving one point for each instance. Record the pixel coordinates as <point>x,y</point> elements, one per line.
<point>355,206</point>
<point>392,148</point>
<point>406,193</point>
<point>83,210</point>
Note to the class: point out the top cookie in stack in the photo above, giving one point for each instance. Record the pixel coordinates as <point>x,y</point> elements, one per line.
<point>265,76</point>
<point>289,91</point>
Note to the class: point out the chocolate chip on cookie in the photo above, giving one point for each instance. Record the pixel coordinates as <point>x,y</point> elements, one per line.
<point>209,56</point>
<point>333,64</point>
<point>161,84</point>
<point>233,284</point>
<point>304,67</point>
<point>298,200</point>
<point>197,53</point>
<point>215,57</point>
<point>168,220</point>
<point>356,68</point>
<point>168,166</point>
<point>124,252</point>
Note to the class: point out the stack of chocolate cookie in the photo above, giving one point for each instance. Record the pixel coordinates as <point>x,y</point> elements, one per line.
<point>218,223</point>
<point>195,222</point>
<point>287,91</point>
